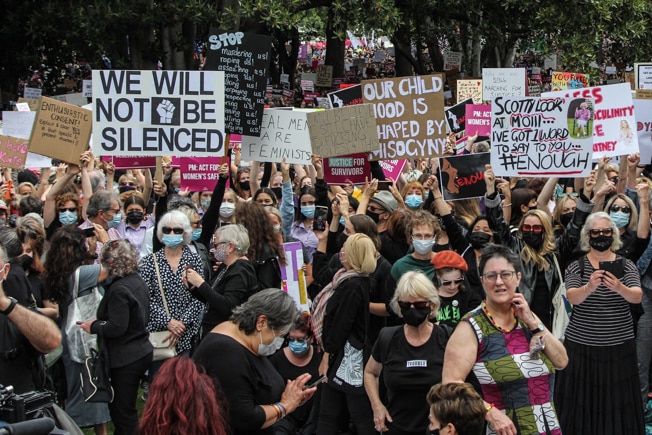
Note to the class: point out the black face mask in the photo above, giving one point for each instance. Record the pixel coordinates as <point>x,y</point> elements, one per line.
<point>25,261</point>
<point>374,216</point>
<point>565,219</point>
<point>415,316</point>
<point>124,189</point>
<point>533,240</point>
<point>479,239</point>
<point>244,185</point>
<point>278,191</point>
<point>601,243</point>
<point>134,217</point>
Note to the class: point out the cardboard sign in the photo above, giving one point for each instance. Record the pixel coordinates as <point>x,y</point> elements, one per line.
<point>503,82</point>
<point>463,176</point>
<point>284,134</point>
<point>452,61</point>
<point>643,75</point>
<point>13,152</point>
<point>614,123</point>
<point>33,104</point>
<point>158,113</point>
<point>456,116</point>
<point>541,137</point>
<point>644,94</point>
<point>244,58</point>
<point>293,278</point>
<point>409,114</point>
<point>32,93</point>
<point>77,98</point>
<point>346,97</point>
<point>643,113</point>
<point>131,162</point>
<point>478,119</point>
<point>61,130</point>
<point>550,61</point>
<point>19,124</point>
<point>200,174</point>
<point>345,130</point>
<point>392,168</point>
<point>87,88</point>
<point>324,76</point>
<point>568,80</point>
<point>469,89</point>
<point>352,168</point>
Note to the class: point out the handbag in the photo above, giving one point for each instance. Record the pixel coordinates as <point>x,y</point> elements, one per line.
<point>162,350</point>
<point>81,309</point>
<point>96,378</point>
<point>563,309</point>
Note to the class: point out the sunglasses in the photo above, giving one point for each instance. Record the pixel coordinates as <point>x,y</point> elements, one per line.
<point>527,228</point>
<point>128,183</point>
<point>607,232</point>
<point>419,304</point>
<point>168,230</point>
<point>70,209</point>
<point>455,281</point>
<point>624,208</point>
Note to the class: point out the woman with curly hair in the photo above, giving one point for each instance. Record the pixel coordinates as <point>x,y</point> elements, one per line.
<point>183,399</point>
<point>120,327</point>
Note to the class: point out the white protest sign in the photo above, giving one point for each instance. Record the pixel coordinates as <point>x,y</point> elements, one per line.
<point>22,107</point>
<point>284,134</point>
<point>536,137</point>
<point>452,61</point>
<point>643,112</point>
<point>33,93</point>
<point>87,89</point>
<point>158,113</point>
<point>503,82</point>
<point>643,75</point>
<point>614,124</point>
<point>550,61</point>
<point>77,98</point>
<point>19,124</point>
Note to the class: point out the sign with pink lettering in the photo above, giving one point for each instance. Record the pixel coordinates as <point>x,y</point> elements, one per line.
<point>13,152</point>
<point>462,177</point>
<point>199,174</point>
<point>478,119</point>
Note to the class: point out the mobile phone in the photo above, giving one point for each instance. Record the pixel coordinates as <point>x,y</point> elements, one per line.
<point>79,323</point>
<point>319,222</point>
<point>316,382</point>
<point>384,184</point>
<point>616,267</point>
<point>89,232</point>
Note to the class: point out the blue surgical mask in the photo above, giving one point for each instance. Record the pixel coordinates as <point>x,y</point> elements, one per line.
<point>117,218</point>
<point>413,201</point>
<point>620,219</point>
<point>177,190</point>
<point>205,203</point>
<point>423,246</point>
<point>172,240</point>
<point>196,232</point>
<point>342,221</point>
<point>298,347</point>
<point>277,228</point>
<point>68,217</point>
<point>308,211</point>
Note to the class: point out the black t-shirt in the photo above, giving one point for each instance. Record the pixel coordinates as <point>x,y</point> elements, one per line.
<point>452,308</point>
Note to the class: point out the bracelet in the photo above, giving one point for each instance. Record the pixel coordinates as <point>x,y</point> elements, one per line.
<point>507,205</point>
<point>490,407</point>
<point>278,411</point>
<point>281,412</point>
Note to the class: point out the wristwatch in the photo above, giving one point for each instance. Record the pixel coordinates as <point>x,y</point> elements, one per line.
<point>10,308</point>
<point>540,328</point>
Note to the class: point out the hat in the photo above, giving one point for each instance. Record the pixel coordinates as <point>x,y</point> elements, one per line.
<point>444,259</point>
<point>27,175</point>
<point>3,205</point>
<point>386,200</point>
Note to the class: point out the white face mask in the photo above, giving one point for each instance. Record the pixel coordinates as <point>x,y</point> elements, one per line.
<point>227,209</point>
<point>271,348</point>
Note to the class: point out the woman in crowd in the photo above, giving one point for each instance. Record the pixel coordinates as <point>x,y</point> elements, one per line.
<point>509,349</point>
<point>302,226</point>
<point>120,326</point>
<point>455,408</point>
<point>257,395</point>
<point>67,253</point>
<point>241,183</point>
<point>600,338</point>
<point>395,244</point>
<point>265,196</point>
<point>406,411</point>
<point>235,278</point>
<point>413,195</point>
<point>227,208</point>
<point>466,211</point>
<point>479,237</point>
<point>135,226</point>
<point>633,230</point>
<point>184,400</point>
<point>62,205</point>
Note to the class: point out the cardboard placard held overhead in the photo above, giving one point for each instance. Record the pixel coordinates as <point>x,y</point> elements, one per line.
<point>19,124</point>
<point>352,168</point>
<point>345,130</point>
<point>643,75</point>
<point>32,93</point>
<point>478,119</point>
<point>78,98</point>
<point>31,102</point>
<point>456,116</point>
<point>61,130</point>
<point>469,89</point>
<point>13,152</point>
<point>244,58</point>
<point>568,80</point>
<point>200,174</point>
<point>131,162</point>
<point>503,82</point>
<point>462,176</point>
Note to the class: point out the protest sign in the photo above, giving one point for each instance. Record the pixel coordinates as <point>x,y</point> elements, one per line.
<point>284,134</point>
<point>310,77</point>
<point>294,280</point>
<point>87,88</point>
<point>22,107</point>
<point>310,98</point>
<point>534,89</point>
<point>13,152</point>
<point>409,114</point>
<point>199,174</point>
<point>324,76</point>
<point>158,113</point>
<point>614,123</point>
<point>541,137</point>
<point>456,116</point>
<point>131,162</point>
<point>352,168</point>
<point>503,82</point>
<point>550,61</point>
<point>392,168</point>
<point>33,104</point>
<point>77,98</point>
<point>568,80</point>
<point>19,124</point>
<point>643,113</point>
<point>60,130</point>
<point>341,131</point>
<point>346,97</point>
<point>462,176</point>
<point>469,89</point>
<point>452,61</point>
<point>478,119</point>
<point>379,56</point>
<point>244,58</point>
<point>32,93</point>
<point>307,86</point>
<point>643,75</point>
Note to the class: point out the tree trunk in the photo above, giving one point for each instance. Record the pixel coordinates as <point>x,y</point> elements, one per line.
<point>334,45</point>
<point>405,63</point>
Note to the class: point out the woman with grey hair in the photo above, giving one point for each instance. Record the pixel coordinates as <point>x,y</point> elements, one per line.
<point>235,278</point>
<point>600,338</point>
<point>257,394</point>
<point>171,306</point>
<point>121,328</point>
<point>411,357</point>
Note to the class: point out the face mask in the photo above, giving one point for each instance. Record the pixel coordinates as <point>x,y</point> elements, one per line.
<point>2,273</point>
<point>278,192</point>
<point>342,257</point>
<point>342,221</point>
<point>269,349</point>
<point>423,246</point>
<point>298,348</point>
<point>205,203</point>
<point>245,185</point>
<point>308,211</point>
<point>479,239</point>
<point>68,217</point>
<point>620,219</point>
<point>374,216</point>
<point>172,240</point>
<point>25,261</point>
<point>277,228</point>
<point>196,232</point>
<point>601,243</point>
<point>415,316</point>
<point>220,253</point>
<point>124,189</point>
<point>533,240</point>
<point>227,209</point>
<point>134,217</point>
<point>414,201</point>
<point>565,219</point>
<point>117,218</point>
<point>177,190</point>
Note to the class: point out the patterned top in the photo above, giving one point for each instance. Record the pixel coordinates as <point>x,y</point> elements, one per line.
<point>515,383</point>
<point>181,304</point>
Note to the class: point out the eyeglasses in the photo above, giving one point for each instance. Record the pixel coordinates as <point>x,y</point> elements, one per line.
<point>505,275</point>
<point>128,183</point>
<point>376,210</point>
<point>606,231</point>
<point>168,230</point>
<point>624,208</point>
<point>423,236</point>
<point>418,304</point>
<point>527,228</point>
<point>455,281</point>
<point>70,209</point>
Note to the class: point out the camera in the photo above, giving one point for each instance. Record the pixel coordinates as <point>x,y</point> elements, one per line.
<point>15,408</point>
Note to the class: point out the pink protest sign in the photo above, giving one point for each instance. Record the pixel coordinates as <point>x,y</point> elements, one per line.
<point>131,162</point>
<point>478,119</point>
<point>199,174</point>
<point>392,168</point>
<point>352,168</point>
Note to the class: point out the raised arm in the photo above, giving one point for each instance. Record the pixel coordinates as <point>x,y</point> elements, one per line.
<point>49,207</point>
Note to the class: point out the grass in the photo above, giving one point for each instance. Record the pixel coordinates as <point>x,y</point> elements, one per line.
<point>140,405</point>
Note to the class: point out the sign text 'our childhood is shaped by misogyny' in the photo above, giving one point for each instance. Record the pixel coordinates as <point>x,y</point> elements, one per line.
<point>409,115</point>
<point>156,113</point>
<point>541,137</point>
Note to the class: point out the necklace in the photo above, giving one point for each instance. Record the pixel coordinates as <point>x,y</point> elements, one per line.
<point>493,322</point>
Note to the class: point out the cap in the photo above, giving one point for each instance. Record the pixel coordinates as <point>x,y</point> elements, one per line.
<point>386,200</point>
<point>3,205</point>
<point>444,259</point>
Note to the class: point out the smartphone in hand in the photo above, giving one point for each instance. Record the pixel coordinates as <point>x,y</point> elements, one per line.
<point>616,267</point>
<point>319,222</point>
<point>316,382</point>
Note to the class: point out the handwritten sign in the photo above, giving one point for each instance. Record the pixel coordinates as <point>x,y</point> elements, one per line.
<point>244,58</point>
<point>87,88</point>
<point>463,176</point>
<point>409,114</point>
<point>324,76</point>
<point>199,174</point>
<point>503,82</point>
<point>568,80</point>
<point>32,93</point>
<point>550,61</point>
<point>452,61</point>
<point>346,97</point>
<point>456,116</point>
<point>343,131</point>
<point>643,113</point>
<point>294,281</point>
<point>536,137</point>
<point>478,119</point>
<point>643,75</point>
<point>13,152</point>
<point>469,89</point>
<point>19,124</point>
<point>32,103</point>
<point>352,168</point>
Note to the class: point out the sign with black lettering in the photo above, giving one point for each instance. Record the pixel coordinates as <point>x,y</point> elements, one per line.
<point>345,130</point>
<point>244,58</point>
<point>462,176</point>
<point>324,76</point>
<point>158,113</point>
<point>346,97</point>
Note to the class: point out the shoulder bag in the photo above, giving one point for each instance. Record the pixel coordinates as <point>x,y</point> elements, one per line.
<point>162,350</point>
<point>82,309</point>
<point>96,378</point>
<point>562,313</point>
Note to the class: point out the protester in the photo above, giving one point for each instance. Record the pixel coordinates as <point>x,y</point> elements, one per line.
<point>135,226</point>
<point>456,408</point>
